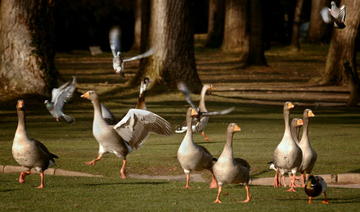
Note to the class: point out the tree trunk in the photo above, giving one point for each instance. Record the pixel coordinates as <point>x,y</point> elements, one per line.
<point>256,51</point>
<point>215,23</point>
<point>142,20</point>
<point>171,37</point>
<point>236,38</point>
<point>26,47</point>
<point>354,84</point>
<point>295,36</point>
<point>317,27</point>
<point>342,46</point>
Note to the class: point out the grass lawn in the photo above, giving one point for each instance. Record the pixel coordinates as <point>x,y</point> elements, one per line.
<point>334,133</point>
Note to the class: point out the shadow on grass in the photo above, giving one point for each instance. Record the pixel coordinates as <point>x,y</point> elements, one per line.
<point>8,190</point>
<point>354,171</point>
<point>127,183</point>
<point>331,200</point>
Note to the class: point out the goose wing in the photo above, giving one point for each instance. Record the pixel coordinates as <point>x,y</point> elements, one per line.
<point>137,124</point>
<point>185,90</point>
<point>140,56</point>
<point>115,41</point>
<point>107,115</point>
<point>325,15</point>
<point>44,149</point>
<point>63,94</point>
<point>220,112</point>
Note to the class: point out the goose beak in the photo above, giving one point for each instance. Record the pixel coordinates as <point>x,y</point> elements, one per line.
<point>20,104</point>
<point>85,95</point>
<point>311,114</point>
<point>237,128</point>
<point>193,112</point>
<point>300,122</point>
<point>290,105</point>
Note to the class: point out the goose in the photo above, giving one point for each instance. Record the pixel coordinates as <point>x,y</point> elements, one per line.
<point>141,99</point>
<point>315,185</point>
<point>29,152</point>
<point>228,169</point>
<point>200,122</point>
<point>309,155</point>
<point>128,134</point>
<point>295,126</point>
<point>334,15</point>
<point>193,157</point>
<point>288,155</point>
<point>115,46</point>
<point>59,96</point>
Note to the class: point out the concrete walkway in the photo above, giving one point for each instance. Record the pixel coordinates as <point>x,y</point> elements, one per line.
<point>346,180</point>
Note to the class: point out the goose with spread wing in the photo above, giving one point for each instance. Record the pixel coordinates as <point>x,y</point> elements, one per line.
<point>29,152</point>
<point>115,46</point>
<point>59,97</point>
<point>127,135</point>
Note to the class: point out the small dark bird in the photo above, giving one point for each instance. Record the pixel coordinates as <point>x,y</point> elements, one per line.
<point>115,46</point>
<point>59,97</point>
<point>334,15</point>
<point>314,186</point>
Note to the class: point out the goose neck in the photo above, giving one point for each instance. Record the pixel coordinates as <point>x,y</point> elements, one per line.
<point>21,127</point>
<point>202,101</point>
<point>228,152</point>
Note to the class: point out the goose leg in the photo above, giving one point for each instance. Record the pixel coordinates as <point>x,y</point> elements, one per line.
<point>187,184</point>
<point>213,183</point>
<point>23,175</point>
<point>303,179</point>
<point>248,195</point>
<point>218,195</point>
<point>93,162</point>
<point>292,184</point>
<point>206,138</point>
<point>309,200</point>
<point>42,180</point>
<point>276,179</point>
<point>325,201</point>
<point>283,180</point>
<point>123,170</point>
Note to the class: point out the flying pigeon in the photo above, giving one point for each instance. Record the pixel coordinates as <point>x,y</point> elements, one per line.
<point>115,46</point>
<point>59,97</point>
<point>334,15</point>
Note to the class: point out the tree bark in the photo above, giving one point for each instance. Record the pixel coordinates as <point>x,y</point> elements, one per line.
<point>171,37</point>
<point>26,47</point>
<point>215,23</point>
<point>317,28</point>
<point>142,20</point>
<point>342,46</point>
<point>354,84</point>
<point>256,51</point>
<point>236,37</point>
<point>295,36</point>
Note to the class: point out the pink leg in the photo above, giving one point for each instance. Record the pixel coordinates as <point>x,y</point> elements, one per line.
<point>218,195</point>
<point>42,180</point>
<point>187,184</point>
<point>213,183</point>
<point>248,195</point>
<point>325,201</point>
<point>23,175</point>
<point>93,162</point>
<point>123,170</point>
<point>292,184</point>
<point>206,138</point>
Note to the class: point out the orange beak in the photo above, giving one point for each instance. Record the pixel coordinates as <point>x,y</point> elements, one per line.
<point>237,128</point>
<point>85,95</point>
<point>193,112</point>
<point>300,122</point>
<point>20,103</point>
<point>290,105</point>
<point>311,114</point>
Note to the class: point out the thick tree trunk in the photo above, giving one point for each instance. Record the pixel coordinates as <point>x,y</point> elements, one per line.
<point>142,21</point>
<point>171,37</point>
<point>342,46</point>
<point>26,51</point>
<point>236,38</point>
<point>256,51</point>
<point>317,27</point>
<point>354,84</point>
<point>215,23</point>
<point>295,36</point>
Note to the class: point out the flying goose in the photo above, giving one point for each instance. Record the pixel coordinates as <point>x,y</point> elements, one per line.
<point>334,15</point>
<point>315,185</point>
<point>115,46</point>
<point>59,97</point>
<point>193,157</point>
<point>228,169</point>
<point>309,155</point>
<point>29,152</point>
<point>200,122</point>
<point>288,155</point>
<point>128,134</point>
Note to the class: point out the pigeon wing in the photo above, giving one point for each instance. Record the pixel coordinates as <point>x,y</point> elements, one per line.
<point>140,56</point>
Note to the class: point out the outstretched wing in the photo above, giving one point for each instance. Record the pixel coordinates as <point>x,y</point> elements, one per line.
<point>115,40</point>
<point>325,15</point>
<point>342,14</point>
<point>63,94</point>
<point>221,112</point>
<point>137,124</point>
<point>140,56</point>
<point>185,90</point>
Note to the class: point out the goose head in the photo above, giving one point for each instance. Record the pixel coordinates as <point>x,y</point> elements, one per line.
<point>308,113</point>
<point>20,104</point>
<point>90,95</point>
<point>144,84</point>
<point>288,106</point>
<point>233,128</point>
<point>297,122</point>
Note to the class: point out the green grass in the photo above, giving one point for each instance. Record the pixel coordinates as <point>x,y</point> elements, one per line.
<point>109,194</point>
<point>334,133</point>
